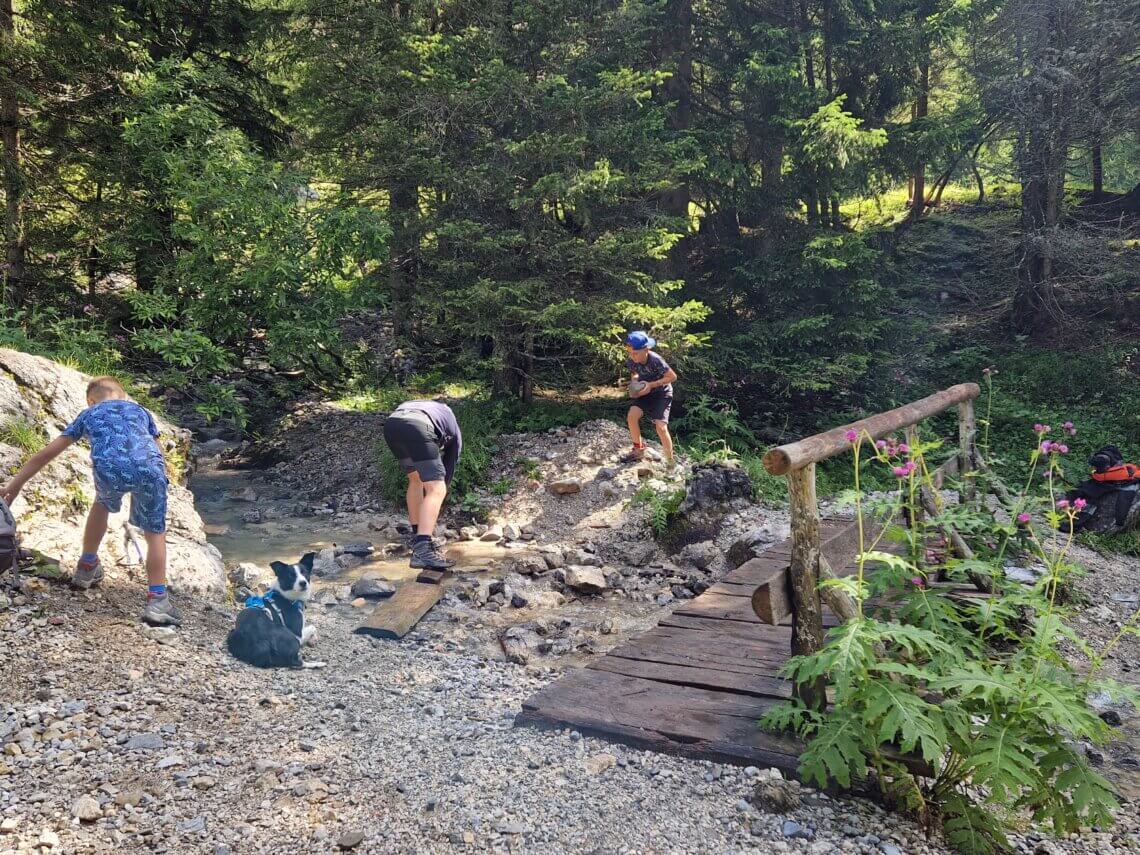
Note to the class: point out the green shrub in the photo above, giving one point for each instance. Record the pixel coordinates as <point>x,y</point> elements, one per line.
<point>662,506</point>
<point>981,689</point>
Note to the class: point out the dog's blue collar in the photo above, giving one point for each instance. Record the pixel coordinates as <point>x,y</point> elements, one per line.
<point>256,602</point>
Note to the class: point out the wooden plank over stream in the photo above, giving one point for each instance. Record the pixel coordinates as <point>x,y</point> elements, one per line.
<point>395,616</point>
<point>698,683</point>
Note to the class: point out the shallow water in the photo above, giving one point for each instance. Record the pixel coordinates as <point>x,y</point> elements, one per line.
<point>287,538</point>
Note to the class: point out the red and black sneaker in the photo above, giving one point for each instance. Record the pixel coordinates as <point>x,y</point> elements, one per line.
<point>635,454</point>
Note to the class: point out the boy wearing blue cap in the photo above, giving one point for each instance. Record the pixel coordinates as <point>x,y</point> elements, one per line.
<point>654,397</point>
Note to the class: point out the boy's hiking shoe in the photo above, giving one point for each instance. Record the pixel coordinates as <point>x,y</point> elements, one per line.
<point>634,454</point>
<point>86,577</point>
<point>425,556</point>
<point>160,611</point>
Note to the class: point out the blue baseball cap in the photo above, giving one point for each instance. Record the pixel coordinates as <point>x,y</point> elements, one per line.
<point>640,339</point>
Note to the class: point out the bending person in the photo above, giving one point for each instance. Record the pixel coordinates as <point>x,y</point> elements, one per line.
<point>656,396</point>
<point>424,436</point>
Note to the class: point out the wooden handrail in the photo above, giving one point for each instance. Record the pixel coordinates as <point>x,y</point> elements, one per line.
<point>813,449</point>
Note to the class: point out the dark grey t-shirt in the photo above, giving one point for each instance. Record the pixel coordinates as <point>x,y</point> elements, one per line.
<point>447,432</point>
<point>655,368</point>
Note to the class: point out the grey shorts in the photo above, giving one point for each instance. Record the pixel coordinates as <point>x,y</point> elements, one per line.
<point>412,440</point>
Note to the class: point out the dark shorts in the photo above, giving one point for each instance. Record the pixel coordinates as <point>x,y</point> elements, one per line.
<point>147,489</point>
<point>656,405</point>
<point>412,440</point>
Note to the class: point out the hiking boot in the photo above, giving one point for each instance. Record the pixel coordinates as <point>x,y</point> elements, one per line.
<point>426,556</point>
<point>160,611</point>
<point>86,576</point>
<point>635,454</point>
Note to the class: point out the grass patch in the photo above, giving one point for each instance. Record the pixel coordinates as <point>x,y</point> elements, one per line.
<point>23,435</point>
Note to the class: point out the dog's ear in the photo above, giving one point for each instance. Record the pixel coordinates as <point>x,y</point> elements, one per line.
<point>278,566</point>
<point>306,562</point>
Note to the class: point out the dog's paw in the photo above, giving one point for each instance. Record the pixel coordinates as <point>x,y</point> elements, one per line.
<point>309,635</point>
<point>314,664</point>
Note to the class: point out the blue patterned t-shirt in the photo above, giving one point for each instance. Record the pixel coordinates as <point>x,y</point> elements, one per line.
<point>122,436</point>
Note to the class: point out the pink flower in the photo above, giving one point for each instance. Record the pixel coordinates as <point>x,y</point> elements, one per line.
<point>918,582</point>
<point>1079,504</point>
<point>1067,425</point>
<point>904,448</point>
<point>901,471</point>
<point>1064,449</point>
<point>911,466</point>
<point>88,309</point>
<point>1023,518</point>
<point>1039,428</point>
<point>1046,447</point>
<point>851,436</point>
<point>1062,504</point>
<point>881,444</point>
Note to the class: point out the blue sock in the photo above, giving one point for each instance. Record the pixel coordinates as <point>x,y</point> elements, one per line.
<point>421,538</point>
<point>89,558</point>
<point>155,591</point>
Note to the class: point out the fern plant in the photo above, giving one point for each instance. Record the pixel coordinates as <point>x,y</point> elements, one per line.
<point>967,709</point>
<point>662,506</point>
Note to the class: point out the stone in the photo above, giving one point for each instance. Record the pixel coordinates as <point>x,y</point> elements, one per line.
<point>493,534</point>
<point>48,839</point>
<point>565,486</point>
<point>889,849</point>
<point>242,494</point>
<point>639,553</point>
<point>145,742</point>
<point>372,585</point>
<point>359,603</point>
<point>774,797</point>
<point>512,532</point>
<point>588,580</point>
<point>518,601</point>
<point>86,809</point>
<point>600,763</point>
<point>700,555</point>
<point>350,839</point>
<point>192,826</point>
<point>792,829</point>
<point>528,565</point>
<point>247,575</point>
<point>606,473</point>
<point>130,798</point>
<point>325,563</point>
<point>360,549</point>
<point>511,828</point>
<point>169,762</point>
<point>9,825</point>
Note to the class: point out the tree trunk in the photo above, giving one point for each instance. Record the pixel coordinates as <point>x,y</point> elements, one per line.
<point>921,110</point>
<point>15,189</point>
<point>677,51</point>
<point>805,40</point>
<point>402,200</point>
<point>1097,172</point>
<point>828,78</point>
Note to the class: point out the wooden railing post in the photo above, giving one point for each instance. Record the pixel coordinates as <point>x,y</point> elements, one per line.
<point>807,612</point>
<point>967,438</point>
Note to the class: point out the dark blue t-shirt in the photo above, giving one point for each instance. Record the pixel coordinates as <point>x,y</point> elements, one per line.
<point>122,436</point>
<point>655,368</point>
<point>447,433</point>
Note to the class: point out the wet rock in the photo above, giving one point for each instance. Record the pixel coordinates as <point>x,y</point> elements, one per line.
<point>638,553</point>
<point>359,549</point>
<point>528,565</point>
<point>588,580</point>
<point>325,563</point>
<point>371,585</point>
<point>512,532</point>
<point>606,473</point>
<point>493,534</point>
<point>565,486</point>
<point>520,643</point>
<point>242,494</point>
<point>518,601</point>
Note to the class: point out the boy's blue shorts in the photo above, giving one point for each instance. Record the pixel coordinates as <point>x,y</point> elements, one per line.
<point>148,496</point>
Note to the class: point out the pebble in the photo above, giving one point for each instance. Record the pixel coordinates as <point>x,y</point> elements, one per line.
<point>350,839</point>
<point>86,809</point>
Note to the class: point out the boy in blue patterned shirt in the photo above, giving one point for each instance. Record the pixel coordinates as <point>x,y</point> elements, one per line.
<point>125,459</point>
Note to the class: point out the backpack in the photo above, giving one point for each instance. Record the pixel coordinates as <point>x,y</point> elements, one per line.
<point>9,540</point>
<point>1112,491</point>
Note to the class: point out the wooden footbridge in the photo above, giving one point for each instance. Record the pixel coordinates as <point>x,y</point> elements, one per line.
<point>698,683</point>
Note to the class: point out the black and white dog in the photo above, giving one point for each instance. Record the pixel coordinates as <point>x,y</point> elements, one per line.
<point>271,630</point>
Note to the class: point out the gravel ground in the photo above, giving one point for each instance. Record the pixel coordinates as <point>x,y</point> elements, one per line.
<point>141,743</point>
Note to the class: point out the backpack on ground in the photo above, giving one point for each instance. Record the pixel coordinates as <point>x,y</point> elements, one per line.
<point>9,541</point>
<point>1112,492</point>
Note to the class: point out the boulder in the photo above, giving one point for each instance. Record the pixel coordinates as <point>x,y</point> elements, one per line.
<point>588,580</point>
<point>50,396</point>
<point>638,553</point>
<point>713,485</point>
<point>528,565</point>
<point>700,555</point>
<point>325,563</point>
<point>565,486</point>
<point>493,534</point>
<point>749,545</point>
<point>247,575</point>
